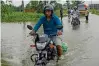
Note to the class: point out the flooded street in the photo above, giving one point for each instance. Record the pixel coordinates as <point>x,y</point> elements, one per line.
<point>15,44</point>
<point>82,43</point>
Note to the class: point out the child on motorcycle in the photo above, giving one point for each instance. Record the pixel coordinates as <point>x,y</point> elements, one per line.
<point>49,22</point>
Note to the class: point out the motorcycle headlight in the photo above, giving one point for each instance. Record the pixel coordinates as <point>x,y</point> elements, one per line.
<point>41,46</point>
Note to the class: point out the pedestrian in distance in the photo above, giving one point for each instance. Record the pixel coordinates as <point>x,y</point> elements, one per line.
<point>86,14</point>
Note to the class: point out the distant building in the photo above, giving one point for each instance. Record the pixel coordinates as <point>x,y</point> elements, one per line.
<point>95,6</point>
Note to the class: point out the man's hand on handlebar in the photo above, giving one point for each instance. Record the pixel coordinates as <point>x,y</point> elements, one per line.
<point>59,32</point>
<point>32,33</point>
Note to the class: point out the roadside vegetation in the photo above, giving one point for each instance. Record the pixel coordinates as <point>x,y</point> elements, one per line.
<point>25,17</point>
<point>32,11</point>
<point>94,11</point>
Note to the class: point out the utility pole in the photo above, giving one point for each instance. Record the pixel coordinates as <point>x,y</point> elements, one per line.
<point>91,5</point>
<point>22,6</point>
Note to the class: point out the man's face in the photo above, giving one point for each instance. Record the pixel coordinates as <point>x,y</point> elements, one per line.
<point>48,13</point>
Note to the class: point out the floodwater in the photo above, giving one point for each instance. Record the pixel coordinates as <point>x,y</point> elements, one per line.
<point>82,43</point>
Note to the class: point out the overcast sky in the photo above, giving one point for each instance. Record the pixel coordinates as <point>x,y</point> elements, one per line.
<point>18,2</point>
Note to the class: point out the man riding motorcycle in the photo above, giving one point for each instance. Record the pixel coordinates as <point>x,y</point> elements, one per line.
<point>49,22</point>
<point>76,12</point>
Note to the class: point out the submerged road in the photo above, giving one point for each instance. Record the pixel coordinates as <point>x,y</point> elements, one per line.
<point>83,45</point>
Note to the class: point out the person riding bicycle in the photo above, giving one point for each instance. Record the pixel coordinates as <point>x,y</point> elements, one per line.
<point>50,22</point>
<point>76,12</point>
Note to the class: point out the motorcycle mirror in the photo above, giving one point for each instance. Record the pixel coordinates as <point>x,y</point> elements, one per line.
<point>59,27</point>
<point>29,27</point>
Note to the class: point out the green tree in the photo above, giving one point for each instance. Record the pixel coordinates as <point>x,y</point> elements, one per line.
<point>39,5</point>
<point>75,3</point>
<point>5,8</point>
<point>28,6</point>
<point>36,5</point>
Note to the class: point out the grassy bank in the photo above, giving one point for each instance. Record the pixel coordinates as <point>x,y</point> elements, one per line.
<point>94,11</point>
<point>25,17</point>
<point>20,17</point>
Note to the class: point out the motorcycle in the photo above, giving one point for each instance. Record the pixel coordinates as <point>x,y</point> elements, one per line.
<point>75,20</point>
<point>45,47</point>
